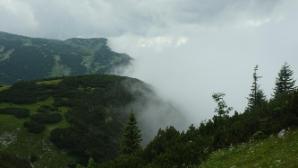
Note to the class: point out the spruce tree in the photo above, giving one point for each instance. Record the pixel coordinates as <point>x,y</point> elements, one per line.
<point>91,163</point>
<point>131,137</point>
<point>257,96</point>
<point>79,166</point>
<point>285,82</point>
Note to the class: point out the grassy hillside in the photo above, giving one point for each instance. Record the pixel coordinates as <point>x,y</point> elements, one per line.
<point>58,122</point>
<point>25,58</point>
<point>273,152</point>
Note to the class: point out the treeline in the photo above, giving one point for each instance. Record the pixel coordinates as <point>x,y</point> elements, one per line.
<point>173,149</point>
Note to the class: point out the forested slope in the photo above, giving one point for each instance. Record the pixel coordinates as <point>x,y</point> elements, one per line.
<point>25,58</point>
<point>65,121</point>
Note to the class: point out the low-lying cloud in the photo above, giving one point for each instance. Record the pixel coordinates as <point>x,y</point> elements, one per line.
<point>215,59</point>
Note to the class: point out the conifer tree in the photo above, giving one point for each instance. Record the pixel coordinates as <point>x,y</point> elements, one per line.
<point>91,163</point>
<point>222,108</point>
<point>285,82</point>
<point>257,96</point>
<point>79,166</point>
<point>131,137</point>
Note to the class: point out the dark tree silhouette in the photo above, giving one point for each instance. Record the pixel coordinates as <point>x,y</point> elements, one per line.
<point>256,97</point>
<point>131,137</point>
<point>285,82</point>
<point>222,108</point>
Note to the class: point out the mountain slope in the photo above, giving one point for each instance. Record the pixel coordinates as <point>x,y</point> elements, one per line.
<point>24,58</point>
<point>62,121</point>
<point>272,152</point>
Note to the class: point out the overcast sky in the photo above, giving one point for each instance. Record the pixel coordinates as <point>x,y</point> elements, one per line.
<point>186,49</point>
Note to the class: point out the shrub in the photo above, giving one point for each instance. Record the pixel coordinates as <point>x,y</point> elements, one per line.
<point>33,158</point>
<point>46,118</point>
<point>11,161</point>
<point>47,109</point>
<point>258,136</point>
<point>17,112</point>
<point>125,161</point>
<point>34,127</point>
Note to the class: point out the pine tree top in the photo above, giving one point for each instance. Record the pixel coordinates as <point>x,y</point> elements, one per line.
<point>285,82</point>
<point>257,96</point>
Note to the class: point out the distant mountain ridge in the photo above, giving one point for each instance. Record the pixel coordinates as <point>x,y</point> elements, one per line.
<point>25,58</point>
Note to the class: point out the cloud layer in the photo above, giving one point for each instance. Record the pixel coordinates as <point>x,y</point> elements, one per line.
<point>68,18</point>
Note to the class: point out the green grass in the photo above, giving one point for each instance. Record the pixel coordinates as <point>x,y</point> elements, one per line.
<point>273,152</point>
<point>32,107</point>
<point>25,144</point>
<point>62,124</point>
<point>4,87</point>
<point>9,122</point>
<point>50,82</point>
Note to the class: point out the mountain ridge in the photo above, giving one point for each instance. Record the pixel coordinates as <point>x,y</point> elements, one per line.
<point>26,58</point>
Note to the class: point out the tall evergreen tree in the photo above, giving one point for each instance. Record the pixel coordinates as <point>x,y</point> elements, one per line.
<point>257,96</point>
<point>131,137</point>
<point>285,82</point>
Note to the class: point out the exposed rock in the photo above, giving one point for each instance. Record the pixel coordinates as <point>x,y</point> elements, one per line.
<point>281,133</point>
<point>7,138</point>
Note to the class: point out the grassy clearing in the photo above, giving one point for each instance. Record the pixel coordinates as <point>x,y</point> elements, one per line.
<point>62,124</point>
<point>4,87</point>
<point>50,82</point>
<point>10,122</point>
<point>273,152</point>
<point>15,139</point>
<point>32,107</point>
<point>27,145</point>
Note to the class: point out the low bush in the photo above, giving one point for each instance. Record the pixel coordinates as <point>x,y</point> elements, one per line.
<point>17,112</point>
<point>34,127</point>
<point>47,109</point>
<point>12,161</point>
<point>46,118</point>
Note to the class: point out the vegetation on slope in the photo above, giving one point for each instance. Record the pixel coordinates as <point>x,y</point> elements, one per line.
<point>24,58</point>
<point>83,116</point>
<point>273,152</point>
<point>262,118</point>
<point>75,119</point>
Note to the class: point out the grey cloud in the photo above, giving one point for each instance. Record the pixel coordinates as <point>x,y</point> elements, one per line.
<point>68,18</point>
<point>204,11</point>
<point>214,59</point>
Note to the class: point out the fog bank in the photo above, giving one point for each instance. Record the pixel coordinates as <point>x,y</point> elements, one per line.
<point>185,66</point>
